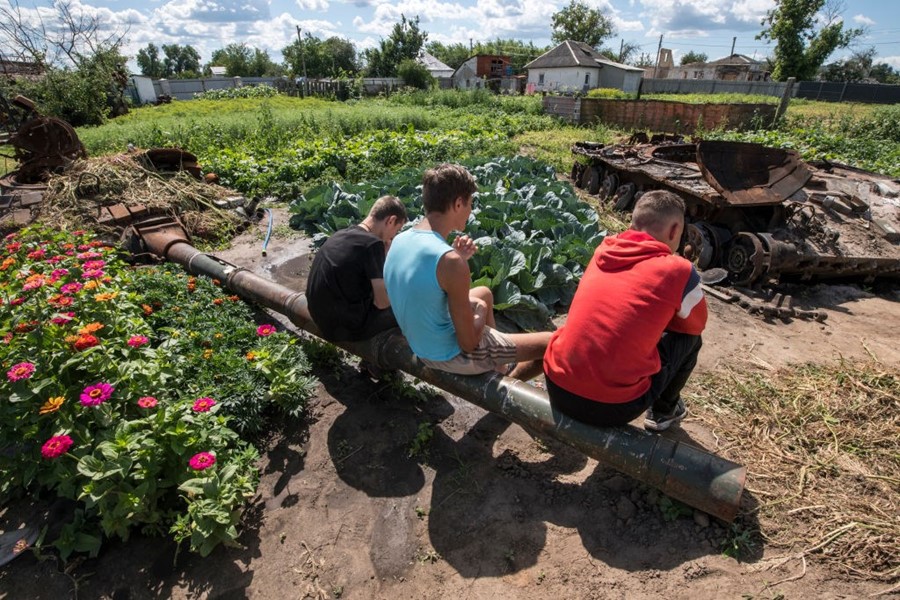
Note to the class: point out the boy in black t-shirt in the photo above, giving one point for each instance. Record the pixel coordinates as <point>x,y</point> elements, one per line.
<point>345,289</point>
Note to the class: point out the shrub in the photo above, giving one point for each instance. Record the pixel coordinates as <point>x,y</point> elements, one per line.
<point>245,91</point>
<point>415,74</point>
<point>609,94</point>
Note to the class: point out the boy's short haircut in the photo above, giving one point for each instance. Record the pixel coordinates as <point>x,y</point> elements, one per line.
<point>655,209</point>
<point>388,206</point>
<point>443,184</point>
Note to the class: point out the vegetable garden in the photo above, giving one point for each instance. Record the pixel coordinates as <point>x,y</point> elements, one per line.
<point>144,397</point>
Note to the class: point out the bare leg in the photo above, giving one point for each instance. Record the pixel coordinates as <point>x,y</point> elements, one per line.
<point>484,294</point>
<point>529,354</point>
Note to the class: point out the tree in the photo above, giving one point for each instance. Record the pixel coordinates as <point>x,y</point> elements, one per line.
<point>405,41</point>
<point>694,57</point>
<point>581,23</point>
<point>415,74</point>
<point>241,61</point>
<point>884,73</point>
<point>801,48</point>
<point>452,55</point>
<point>181,61</point>
<point>149,63</point>
<point>854,69</point>
<point>334,57</point>
<point>644,60</point>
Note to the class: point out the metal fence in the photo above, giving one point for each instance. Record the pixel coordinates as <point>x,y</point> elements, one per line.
<point>871,93</point>
<point>184,89</point>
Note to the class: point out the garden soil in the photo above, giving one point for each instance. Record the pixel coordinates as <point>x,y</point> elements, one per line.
<point>485,510</point>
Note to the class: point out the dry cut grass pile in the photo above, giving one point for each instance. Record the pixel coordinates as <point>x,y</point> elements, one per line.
<point>72,198</point>
<point>822,447</point>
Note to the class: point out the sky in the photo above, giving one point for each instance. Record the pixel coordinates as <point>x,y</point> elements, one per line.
<point>704,26</point>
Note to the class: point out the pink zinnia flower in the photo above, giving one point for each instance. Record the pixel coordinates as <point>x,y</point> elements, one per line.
<point>96,394</point>
<point>79,232</point>
<point>265,330</point>
<point>87,255</point>
<point>71,288</point>
<point>203,404</point>
<point>56,446</point>
<point>94,264</point>
<point>201,461</point>
<point>35,254</point>
<point>56,259</point>
<point>92,274</point>
<point>63,318</point>
<point>136,341</point>
<point>147,402</point>
<point>57,273</point>
<point>23,370</point>
<point>13,248</point>
<point>84,247</point>
<point>16,301</point>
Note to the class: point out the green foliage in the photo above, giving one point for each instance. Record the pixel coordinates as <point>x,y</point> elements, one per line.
<point>534,235</point>
<point>800,48</point>
<point>609,94</point>
<point>673,509</point>
<point>520,53</point>
<point>240,60</point>
<point>694,57</point>
<point>581,23</point>
<point>739,542</point>
<point>415,74</point>
<point>245,91</point>
<point>854,69</point>
<point>111,395</point>
<point>884,73</point>
<point>418,447</point>
<point>730,98</point>
<point>404,42</point>
<point>333,57</point>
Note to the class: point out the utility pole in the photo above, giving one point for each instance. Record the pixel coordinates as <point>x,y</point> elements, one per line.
<point>621,47</point>
<point>303,60</point>
<point>658,51</point>
<point>470,46</point>
<point>733,42</point>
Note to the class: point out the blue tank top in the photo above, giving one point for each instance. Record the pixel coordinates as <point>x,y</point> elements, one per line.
<point>418,302</point>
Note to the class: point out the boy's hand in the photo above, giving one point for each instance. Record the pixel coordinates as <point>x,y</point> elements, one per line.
<point>465,246</point>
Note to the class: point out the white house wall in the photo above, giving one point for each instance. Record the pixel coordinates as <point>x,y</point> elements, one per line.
<point>562,79</point>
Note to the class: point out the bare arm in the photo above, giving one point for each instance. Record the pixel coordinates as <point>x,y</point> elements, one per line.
<point>453,276</point>
<point>381,299</point>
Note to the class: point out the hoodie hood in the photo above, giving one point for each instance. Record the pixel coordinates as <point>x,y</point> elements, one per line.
<point>622,251</point>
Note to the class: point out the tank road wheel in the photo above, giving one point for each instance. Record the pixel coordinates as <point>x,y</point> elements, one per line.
<point>590,181</point>
<point>746,258</point>
<point>624,198</point>
<point>577,172</point>
<point>609,187</point>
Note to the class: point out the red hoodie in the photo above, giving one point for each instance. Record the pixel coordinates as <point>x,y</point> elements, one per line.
<point>633,290</point>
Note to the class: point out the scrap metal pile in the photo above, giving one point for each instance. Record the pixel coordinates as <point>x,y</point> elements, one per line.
<point>758,215</point>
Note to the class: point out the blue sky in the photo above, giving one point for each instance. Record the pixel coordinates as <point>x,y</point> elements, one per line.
<point>706,26</point>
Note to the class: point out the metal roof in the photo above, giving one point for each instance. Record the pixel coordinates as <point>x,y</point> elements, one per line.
<point>575,54</point>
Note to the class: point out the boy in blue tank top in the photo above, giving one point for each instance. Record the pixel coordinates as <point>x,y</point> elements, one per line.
<point>449,326</point>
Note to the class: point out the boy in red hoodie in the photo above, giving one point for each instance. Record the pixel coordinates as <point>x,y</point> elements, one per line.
<point>633,332</point>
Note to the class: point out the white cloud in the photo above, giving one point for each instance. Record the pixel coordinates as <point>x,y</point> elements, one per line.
<point>697,18</point>
<point>863,20</point>
<point>313,5</point>
<point>894,61</point>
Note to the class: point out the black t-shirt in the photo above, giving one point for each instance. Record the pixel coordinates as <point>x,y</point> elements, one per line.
<point>339,287</point>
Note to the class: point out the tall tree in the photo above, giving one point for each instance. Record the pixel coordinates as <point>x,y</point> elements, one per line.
<point>149,63</point>
<point>405,41</point>
<point>694,57</point>
<point>884,73</point>
<point>333,57</point>
<point>240,60</point>
<point>181,61</point>
<point>581,23</point>
<point>854,69</point>
<point>804,37</point>
<point>451,55</point>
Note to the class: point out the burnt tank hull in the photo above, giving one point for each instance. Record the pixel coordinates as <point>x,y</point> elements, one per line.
<point>760,213</point>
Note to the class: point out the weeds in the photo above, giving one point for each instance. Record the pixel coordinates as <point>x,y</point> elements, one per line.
<point>418,447</point>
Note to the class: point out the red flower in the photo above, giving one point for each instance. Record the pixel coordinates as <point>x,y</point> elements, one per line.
<point>86,341</point>
<point>201,461</point>
<point>56,446</point>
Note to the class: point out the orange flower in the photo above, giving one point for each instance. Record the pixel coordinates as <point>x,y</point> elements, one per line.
<point>234,298</point>
<point>71,339</point>
<point>90,328</point>
<point>251,356</point>
<point>7,263</point>
<point>218,301</point>
<point>91,285</point>
<point>86,341</point>
<point>217,282</point>
<point>105,296</point>
<point>51,405</point>
<point>147,310</point>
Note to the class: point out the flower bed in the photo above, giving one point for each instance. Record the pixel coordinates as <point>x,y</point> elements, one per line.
<point>128,391</point>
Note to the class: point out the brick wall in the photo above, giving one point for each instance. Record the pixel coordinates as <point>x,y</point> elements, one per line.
<point>658,115</point>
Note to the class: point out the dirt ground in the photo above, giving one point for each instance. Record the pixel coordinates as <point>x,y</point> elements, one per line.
<point>492,512</point>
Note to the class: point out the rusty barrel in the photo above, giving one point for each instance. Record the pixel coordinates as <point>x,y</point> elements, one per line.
<point>689,474</point>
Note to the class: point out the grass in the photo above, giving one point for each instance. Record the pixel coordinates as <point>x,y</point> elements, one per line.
<point>714,98</point>
<point>822,447</point>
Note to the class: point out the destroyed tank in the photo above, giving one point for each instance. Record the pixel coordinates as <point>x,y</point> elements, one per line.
<point>760,214</point>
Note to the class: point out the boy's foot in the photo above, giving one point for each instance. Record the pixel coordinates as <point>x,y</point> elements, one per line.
<point>660,422</point>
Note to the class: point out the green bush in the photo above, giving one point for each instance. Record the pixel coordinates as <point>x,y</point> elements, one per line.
<point>231,93</point>
<point>415,74</point>
<point>110,400</point>
<point>609,94</point>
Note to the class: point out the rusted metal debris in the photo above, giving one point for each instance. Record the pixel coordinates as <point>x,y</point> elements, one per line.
<point>760,213</point>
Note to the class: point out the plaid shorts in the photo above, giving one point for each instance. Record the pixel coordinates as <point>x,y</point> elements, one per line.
<point>495,349</point>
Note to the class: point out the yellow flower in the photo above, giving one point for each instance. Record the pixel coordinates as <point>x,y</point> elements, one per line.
<point>218,336</point>
<point>92,284</point>
<point>52,405</point>
<point>207,354</point>
<point>106,296</point>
